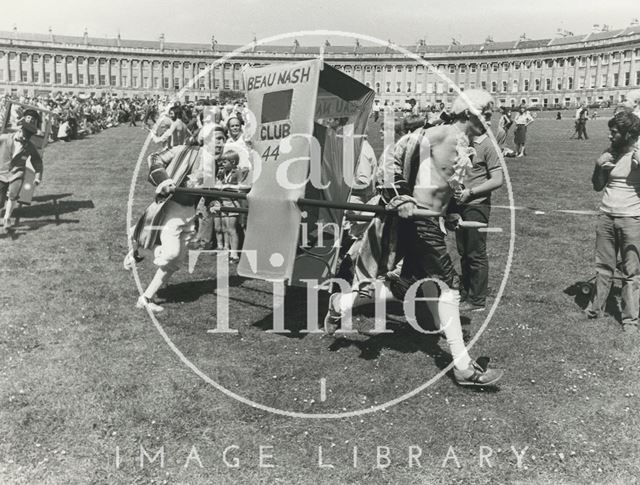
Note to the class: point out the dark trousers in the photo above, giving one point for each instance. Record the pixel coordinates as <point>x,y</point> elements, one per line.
<point>425,252</point>
<point>472,247</point>
<point>582,129</point>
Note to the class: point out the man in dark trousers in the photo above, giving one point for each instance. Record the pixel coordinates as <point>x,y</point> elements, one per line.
<point>474,204</point>
<point>582,114</point>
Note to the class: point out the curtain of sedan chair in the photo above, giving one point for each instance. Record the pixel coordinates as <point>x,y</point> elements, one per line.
<point>340,120</point>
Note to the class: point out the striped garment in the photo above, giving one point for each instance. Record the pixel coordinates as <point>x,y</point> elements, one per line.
<point>175,163</point>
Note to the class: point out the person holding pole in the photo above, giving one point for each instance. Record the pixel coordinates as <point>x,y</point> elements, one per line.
<point>15,150</point>
<point>168,223</point>
<point>429,167</point>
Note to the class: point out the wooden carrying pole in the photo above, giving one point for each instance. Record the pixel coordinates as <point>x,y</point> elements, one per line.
<point>376,209</point>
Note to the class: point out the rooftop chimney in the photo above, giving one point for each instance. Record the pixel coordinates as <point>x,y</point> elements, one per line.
<point>161,42</point>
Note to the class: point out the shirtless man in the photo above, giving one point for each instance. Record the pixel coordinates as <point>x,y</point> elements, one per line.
<point>429,183</point>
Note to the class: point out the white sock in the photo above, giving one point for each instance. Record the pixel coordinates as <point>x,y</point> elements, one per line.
<point>161,277</point>
<point>446,313</point>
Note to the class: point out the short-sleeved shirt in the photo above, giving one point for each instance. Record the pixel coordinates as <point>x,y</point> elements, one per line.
<point>620,198</point>
<point>486,163</point>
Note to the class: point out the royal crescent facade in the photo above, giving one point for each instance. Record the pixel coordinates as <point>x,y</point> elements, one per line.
<point>597,67</point>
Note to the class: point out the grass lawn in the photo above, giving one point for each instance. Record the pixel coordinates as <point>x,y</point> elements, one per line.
<point>86,379</point>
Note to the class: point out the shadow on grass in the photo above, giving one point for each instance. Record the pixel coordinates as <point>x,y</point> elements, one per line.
<point>190,291</point>
<point>581,298</point>
<point>46,210</point>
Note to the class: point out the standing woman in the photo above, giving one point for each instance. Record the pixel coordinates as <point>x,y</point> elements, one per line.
<point>504,125</point>
<point>523,120</point>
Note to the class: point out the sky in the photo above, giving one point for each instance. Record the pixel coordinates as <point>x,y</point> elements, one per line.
<point>238,21</point>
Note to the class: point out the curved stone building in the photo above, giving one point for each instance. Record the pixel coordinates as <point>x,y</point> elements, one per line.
<point>596,67</point>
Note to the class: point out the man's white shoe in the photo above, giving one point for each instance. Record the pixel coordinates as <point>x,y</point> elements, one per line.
<point>129,261</point>
<point>143,302</point>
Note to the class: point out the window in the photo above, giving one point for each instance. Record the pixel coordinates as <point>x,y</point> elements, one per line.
<point>388,90</point>
<point>559,83</point>
<point>216,84</point>
<point>201,83</point>
<point>526,85</point>
<point>569,83</point>
<point>389,68</point>
<point>69,78</point>
<point>378,68</point>
<point>125,81</point>
<point>145,82</point>
<point>440,88</point>
<point>408,87</point>
<point>472,85</point>
<point>474,68</point>
<point>637,78</point>
<point>36,76</point>
<point>452,69</point>
<point>430,87</point>
<point>398,89</point>
<point>517,66</point>
<point>494,67</point>
<point>378,88</point>
<point>539,64</point>
<point>547,84</point>
<point>102,79</point>
<point>165,82</point>
<point>156,82</point>
<point>603,81</point>
<point>134,81</point>
<point>23,76</point>
<point>616,79</point>
<point>12,75</point>
<point>484,68</point>
<point>505,67</point>
<point>58,78</point>
<point>627,78</point>
<point>605,60</point>
<point>514,88</point>
<point>112,80</point>
<point>399,68</point>
<point>418,88</point>
<point>536,84</point>
<point>494,86</point>
<point>463,68</point>
<point>484,85</point>
<point>236,84</point>
<point>226,84</point>
<point>92,79</point>
<point>592,81</point>
<point>504,86</point>
<point>80,78</point>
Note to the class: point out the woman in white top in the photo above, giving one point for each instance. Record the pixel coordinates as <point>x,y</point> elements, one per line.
<point>522,120</point>
<point>238,143</point>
